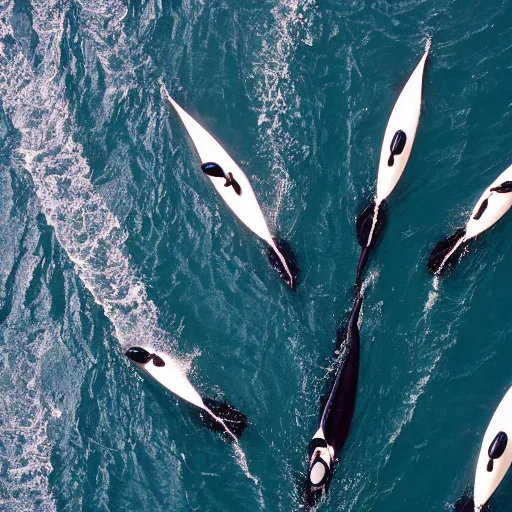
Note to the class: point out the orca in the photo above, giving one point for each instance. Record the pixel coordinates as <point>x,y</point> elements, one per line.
<point>495,201</point>
<point>494,459</point>
<point>216,415</point>
<point>337,414</point>
<point>236,190</point>
<point>396,149</point>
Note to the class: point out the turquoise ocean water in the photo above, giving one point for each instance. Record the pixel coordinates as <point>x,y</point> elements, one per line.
<point>110,234</point>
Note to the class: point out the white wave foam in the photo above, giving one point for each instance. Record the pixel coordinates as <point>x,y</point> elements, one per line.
<point>86,229</point>
<point>25,455</point>
<point>35,99</point>
<point>275,88</point>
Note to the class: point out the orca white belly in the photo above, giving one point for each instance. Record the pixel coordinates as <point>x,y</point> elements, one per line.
<point>171,377</point>
<point>498,205</point>
<point>486,482</point>
<point>405,117</point>
<point>244,206</point>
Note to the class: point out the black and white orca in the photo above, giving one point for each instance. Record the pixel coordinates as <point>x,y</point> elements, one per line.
<point>235,189</point>
<point>495,201</point>
<point>337,414</point>
<point>494,459</point>
<point>396,149</point>
<point>218,416</point>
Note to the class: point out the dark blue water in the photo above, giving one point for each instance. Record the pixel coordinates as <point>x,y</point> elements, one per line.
<point>110,234</point>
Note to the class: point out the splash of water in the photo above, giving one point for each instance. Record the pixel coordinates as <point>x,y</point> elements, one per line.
<point>275,88</point>
<point>35,99</point>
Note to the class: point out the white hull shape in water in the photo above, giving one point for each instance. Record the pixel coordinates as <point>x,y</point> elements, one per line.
<point>233,186</point>
<point>218,416</point>
<point>494,459</point>
<point>492,205</point>
<point>396,149</point>
<point>496,452</point>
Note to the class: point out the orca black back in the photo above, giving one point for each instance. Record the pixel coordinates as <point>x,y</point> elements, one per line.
<point>441,251</point>
<point>339,409</point>
<point>364,226</point>
<point>285,249</point>
<point>235,420</point>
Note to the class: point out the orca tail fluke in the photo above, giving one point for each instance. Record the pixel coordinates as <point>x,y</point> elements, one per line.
<point>282,258</point>
<point>230,418</point>
<point>446,252</point>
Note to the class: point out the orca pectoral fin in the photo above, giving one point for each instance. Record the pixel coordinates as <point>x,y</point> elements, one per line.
<point>213,169</point>
<point>446,252</point>
<point>233,419</point>
<point>287,254</point>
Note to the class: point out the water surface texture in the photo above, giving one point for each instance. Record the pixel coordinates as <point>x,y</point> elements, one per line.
<point>110,234</point>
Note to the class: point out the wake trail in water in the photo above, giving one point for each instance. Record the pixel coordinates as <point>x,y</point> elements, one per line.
<point>86,229</point>
<point>275,88</point>
<point>35,99</point>
<point>428,368</point>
